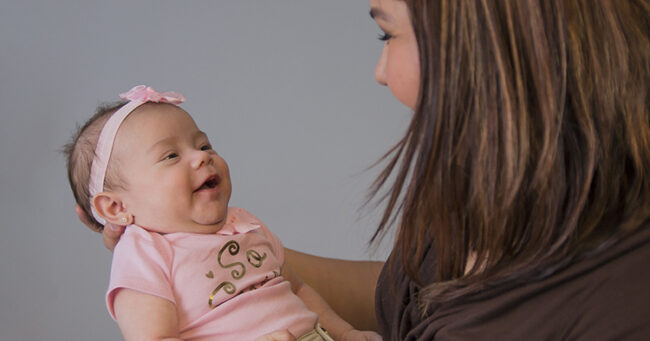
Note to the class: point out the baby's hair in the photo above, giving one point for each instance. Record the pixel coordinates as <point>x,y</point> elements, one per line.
<point>80,152</point>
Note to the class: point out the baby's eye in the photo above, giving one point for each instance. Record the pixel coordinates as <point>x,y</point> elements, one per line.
<point>206,147</point>
<point>171,156</point>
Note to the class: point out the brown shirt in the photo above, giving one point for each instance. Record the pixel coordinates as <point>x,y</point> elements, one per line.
<point>602,297</point>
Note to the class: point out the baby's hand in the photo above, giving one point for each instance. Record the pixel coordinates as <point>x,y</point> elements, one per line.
<point>358,335</point>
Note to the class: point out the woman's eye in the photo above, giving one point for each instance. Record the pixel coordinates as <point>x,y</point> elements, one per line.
<point>384,36</point>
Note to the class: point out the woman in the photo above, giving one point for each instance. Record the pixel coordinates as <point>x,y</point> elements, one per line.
<point>521,189</point>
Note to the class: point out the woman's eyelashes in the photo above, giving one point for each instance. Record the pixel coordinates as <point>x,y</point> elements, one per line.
<point>384,36</point>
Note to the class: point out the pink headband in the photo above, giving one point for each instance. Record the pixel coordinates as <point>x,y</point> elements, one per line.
<point>137,96</point>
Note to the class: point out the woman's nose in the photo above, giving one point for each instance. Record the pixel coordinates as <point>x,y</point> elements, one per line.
<point>380,69</point>
<point>200,158</point>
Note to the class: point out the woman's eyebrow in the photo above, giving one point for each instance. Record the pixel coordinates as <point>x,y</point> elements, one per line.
<point>378,14</point>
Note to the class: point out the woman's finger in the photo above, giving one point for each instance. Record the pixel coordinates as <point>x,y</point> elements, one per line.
<point>111,235</point>
<point>84,218</point>
<point>280,335</point>
<point>357,335</point>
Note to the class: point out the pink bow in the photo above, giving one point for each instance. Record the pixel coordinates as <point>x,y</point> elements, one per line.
<point>144,93</point>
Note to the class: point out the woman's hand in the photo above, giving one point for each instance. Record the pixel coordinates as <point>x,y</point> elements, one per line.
<point>280,335</point>
<point>111,233</point>
<point>348,287</point>
<point>358,335</point>
<point>351,335</point>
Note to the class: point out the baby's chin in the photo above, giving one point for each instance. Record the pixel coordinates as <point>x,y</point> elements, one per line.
<point>207,226</point>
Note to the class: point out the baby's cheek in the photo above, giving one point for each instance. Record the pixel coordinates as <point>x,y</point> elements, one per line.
<point>156,208</point>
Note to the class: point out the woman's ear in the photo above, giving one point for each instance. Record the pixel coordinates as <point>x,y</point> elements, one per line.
<point>110,206</point>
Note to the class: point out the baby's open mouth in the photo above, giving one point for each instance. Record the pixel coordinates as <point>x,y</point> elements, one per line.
<point>210,183</point>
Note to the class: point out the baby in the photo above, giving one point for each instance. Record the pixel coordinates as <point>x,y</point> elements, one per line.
<point>187,266</point>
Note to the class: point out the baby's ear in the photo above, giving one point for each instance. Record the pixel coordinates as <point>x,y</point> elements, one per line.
<point>109,206</point>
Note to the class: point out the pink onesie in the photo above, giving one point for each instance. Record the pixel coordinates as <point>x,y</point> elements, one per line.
<point>225,286</point>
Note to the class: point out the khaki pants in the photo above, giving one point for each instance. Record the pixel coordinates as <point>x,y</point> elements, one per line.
<point>318,334</point>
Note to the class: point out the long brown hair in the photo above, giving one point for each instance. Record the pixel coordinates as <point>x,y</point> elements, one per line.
<point>530,142</point>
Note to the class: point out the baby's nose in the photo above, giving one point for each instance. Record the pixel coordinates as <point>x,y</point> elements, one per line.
<point>201,158</point>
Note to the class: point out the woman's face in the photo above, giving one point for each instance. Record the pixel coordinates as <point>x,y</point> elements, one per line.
<point>399,65</point>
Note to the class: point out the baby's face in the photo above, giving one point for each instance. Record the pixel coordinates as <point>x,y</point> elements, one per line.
<point>175,181</point>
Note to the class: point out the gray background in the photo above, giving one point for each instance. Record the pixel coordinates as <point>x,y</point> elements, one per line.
<point>284,89</point>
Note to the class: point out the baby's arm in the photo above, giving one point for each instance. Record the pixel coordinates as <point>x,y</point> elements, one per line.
<point>338,328</point>
<point>145,317</point>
